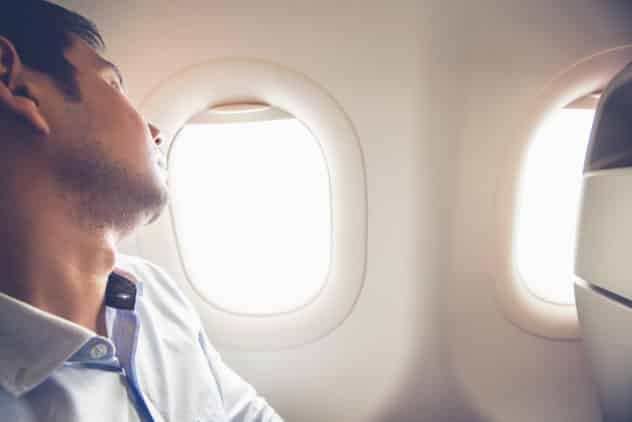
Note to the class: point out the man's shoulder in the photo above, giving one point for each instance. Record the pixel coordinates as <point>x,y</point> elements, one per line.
<point>159,289</point>
<point>136,267</point>
<point>143,271</point>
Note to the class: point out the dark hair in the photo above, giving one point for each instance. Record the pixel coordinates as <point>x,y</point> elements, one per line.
<point>41,33</point>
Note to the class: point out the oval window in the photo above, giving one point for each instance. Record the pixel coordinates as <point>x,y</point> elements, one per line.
<point>549,201</point>
<point>251,207</point>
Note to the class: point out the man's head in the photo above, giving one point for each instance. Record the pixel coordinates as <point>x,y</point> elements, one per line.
<point>63,106</point>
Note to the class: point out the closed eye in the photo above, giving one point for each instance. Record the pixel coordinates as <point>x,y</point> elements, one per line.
<point>116,84</point>
<point>114,71</point>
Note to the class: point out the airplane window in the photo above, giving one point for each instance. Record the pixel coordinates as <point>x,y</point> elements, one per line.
<point>549,201</point>
<point>252,212</point>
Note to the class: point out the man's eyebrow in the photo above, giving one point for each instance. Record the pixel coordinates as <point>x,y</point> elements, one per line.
<point>105,64</point>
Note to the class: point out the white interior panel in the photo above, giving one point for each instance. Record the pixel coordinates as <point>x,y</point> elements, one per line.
<point>603,247</point>
<point>606,321</point>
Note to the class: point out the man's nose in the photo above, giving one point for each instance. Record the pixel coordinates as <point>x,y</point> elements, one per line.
<point>156,136</point>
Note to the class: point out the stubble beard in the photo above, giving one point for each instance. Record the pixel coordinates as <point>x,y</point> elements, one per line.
<point>106,193</point>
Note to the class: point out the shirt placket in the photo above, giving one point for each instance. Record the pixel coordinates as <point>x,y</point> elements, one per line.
<point>125,335</point>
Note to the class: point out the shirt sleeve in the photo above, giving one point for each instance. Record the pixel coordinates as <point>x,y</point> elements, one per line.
<point>241,401</point>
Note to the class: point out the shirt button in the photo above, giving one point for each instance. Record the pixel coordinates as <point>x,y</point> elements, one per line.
<point>98,351</point>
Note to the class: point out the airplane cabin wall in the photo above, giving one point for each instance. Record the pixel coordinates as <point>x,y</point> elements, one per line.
<point>433,89</point>
<point>515,49</point>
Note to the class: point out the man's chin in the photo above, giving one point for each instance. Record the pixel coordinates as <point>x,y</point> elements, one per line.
<point>158,210</point>
<point>154,217</point>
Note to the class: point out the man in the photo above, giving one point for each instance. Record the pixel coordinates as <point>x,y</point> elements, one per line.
<point>87,334</point>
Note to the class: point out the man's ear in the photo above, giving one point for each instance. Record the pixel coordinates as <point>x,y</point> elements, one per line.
<point>15,93</point>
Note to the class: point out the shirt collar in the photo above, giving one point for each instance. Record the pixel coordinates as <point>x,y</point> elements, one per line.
<point>33,343</point>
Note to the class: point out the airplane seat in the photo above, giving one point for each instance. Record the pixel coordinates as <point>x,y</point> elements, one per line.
<point>603,265</point>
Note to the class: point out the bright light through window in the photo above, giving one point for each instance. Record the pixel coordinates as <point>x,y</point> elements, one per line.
<point>549,205</point>
<point>252,212</point>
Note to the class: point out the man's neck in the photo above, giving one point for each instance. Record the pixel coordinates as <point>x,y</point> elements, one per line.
<point>64,281</point>
<point>49,262</point>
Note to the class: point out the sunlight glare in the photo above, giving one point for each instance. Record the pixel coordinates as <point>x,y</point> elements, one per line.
<point>252,212</point>
<point>549,205</point>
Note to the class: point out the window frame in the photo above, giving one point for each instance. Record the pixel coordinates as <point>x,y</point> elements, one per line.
<point>233,81</point>
<point>517,303</point>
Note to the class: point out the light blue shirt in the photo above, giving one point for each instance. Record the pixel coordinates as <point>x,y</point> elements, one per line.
<point>156,364</point>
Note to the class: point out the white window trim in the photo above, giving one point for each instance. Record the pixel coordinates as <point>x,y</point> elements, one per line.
<point>230,81</point>
<point>518,304</point>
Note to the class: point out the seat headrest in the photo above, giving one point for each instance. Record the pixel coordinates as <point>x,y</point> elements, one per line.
<point>604,230</point>
<point>610,143</point>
